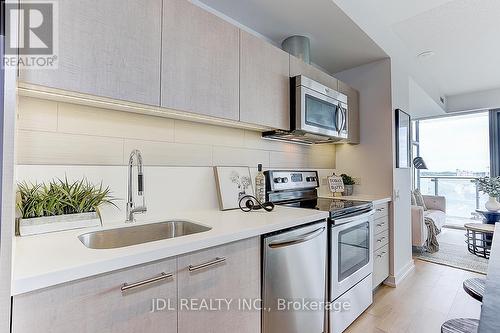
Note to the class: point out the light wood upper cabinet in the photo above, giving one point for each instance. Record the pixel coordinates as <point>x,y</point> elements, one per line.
<point>96,304</point>
<point>264,83</point>
<point>298,67</point>
<point>200,61</point>
<point>353,105</point>
<point>235,278</point>
<point>106,48</point>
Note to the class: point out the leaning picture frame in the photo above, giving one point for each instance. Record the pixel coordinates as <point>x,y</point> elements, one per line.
<point>403,127</point>
<point>232,184</point>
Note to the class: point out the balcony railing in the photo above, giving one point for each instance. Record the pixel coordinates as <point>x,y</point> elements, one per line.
<point>462,196</point>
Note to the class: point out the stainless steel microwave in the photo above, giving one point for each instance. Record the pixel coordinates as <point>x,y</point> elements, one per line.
<point>318,109</point>
<point>318,113</point>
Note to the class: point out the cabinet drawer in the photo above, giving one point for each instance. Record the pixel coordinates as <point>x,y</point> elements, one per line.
<point>381,210</point>
<point>380,265</point>
<point>381,239</point>
<point>380,225</point>
<point>97,304</point>
<point>230,272</point>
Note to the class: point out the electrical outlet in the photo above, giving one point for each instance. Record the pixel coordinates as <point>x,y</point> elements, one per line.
<point>324,181</point>
<point>357,181</point>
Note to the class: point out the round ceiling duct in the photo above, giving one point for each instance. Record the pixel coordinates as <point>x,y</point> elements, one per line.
<point>298,46</point>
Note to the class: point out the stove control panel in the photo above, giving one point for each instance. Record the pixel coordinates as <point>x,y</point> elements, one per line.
<point>278,180</point>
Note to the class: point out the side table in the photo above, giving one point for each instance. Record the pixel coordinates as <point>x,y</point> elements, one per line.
<point>478,238</point>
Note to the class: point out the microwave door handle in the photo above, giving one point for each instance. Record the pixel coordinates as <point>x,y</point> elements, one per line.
<point>344,120</point>
<point>337,118</point>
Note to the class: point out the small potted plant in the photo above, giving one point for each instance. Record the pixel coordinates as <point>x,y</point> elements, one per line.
<point>348,184</point>
<point>59,205</point>
<point>490,186</point>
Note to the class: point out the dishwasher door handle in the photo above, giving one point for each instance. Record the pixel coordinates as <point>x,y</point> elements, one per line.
<point>297,240</point>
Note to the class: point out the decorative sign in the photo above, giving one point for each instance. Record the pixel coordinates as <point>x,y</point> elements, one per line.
<point>336,184</point>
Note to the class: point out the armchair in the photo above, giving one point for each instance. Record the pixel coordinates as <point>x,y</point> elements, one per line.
<point>436,210</point>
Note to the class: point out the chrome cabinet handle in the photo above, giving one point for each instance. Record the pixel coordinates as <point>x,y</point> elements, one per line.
<point>207,264</point>
<point>380,209</point>
<point>380,240</point>
<point>163,276</point>
<point>300,239</point>
<point>381,255</point>
<point>380,224</point>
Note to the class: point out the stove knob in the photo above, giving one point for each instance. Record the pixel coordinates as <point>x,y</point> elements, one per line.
<point>284,180</point>
<point>277,180</point>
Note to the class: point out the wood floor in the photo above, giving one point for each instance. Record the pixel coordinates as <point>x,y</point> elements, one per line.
<point>427,298</point>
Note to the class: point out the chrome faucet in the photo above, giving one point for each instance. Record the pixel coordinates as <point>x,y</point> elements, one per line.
<point>131,208</point>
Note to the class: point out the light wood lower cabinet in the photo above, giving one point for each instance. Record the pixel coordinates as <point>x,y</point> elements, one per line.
<point>97,304</point>
<point>204,275</point>
<point>380,265</point>
<point>380,251</point>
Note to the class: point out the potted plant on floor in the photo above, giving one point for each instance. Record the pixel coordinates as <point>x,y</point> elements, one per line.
<point>490,186</point>
<point>59,205</point>
<point>348,184</point>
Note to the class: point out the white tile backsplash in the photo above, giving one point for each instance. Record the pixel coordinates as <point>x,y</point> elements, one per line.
<point>197,133</point>
<point>240,156</point>
<point>36,147</point>
<point>169,191</point>
<point>37,114</point>
<point>170,154</point>
<point>80,119</point>
<point>94,136</point>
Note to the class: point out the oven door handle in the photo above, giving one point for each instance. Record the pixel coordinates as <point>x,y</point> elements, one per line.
<point>297,240</point>
<point>361,218</point>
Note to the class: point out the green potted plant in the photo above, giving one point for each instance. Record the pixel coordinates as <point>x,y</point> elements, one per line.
<point>348,184</point>
<point>59,205</point>
<point>490,186</point>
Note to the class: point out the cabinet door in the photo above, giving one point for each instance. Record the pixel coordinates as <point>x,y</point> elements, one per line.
<point>298,67</point>
<point>353,105</point>
<point>97,304</point>
<point>106,48</point>
<point>380,265</point>
<point>264,83</point>
<point>200,61</point>
<point>230,272</point>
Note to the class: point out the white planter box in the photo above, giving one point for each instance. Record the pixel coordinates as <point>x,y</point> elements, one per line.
<point>41,225</point>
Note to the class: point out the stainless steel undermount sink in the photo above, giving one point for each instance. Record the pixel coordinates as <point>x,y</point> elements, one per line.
<point>144,233</point>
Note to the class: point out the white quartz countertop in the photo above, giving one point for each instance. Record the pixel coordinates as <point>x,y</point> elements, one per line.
<point>375,199</point>
<point>46,260</point>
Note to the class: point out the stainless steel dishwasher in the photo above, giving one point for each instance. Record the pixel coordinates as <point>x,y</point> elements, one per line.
<point>294,275</point>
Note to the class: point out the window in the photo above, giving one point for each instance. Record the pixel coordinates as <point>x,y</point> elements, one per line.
<point>456,150</point>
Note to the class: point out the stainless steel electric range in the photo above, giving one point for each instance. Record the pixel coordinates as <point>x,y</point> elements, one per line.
<point>348,243</point>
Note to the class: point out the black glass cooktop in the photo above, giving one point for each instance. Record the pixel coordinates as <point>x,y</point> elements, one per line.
<point>339,208</point>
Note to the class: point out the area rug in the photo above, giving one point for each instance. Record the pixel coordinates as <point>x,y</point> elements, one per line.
<point>454,255</point>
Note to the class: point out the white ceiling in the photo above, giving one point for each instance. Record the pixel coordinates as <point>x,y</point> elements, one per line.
<point>337,43</point>
<point>465,37</point>
<point>463,34</point>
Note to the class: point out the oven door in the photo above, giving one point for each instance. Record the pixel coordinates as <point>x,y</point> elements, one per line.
<point>318,113</point>
<point>350,256</point>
